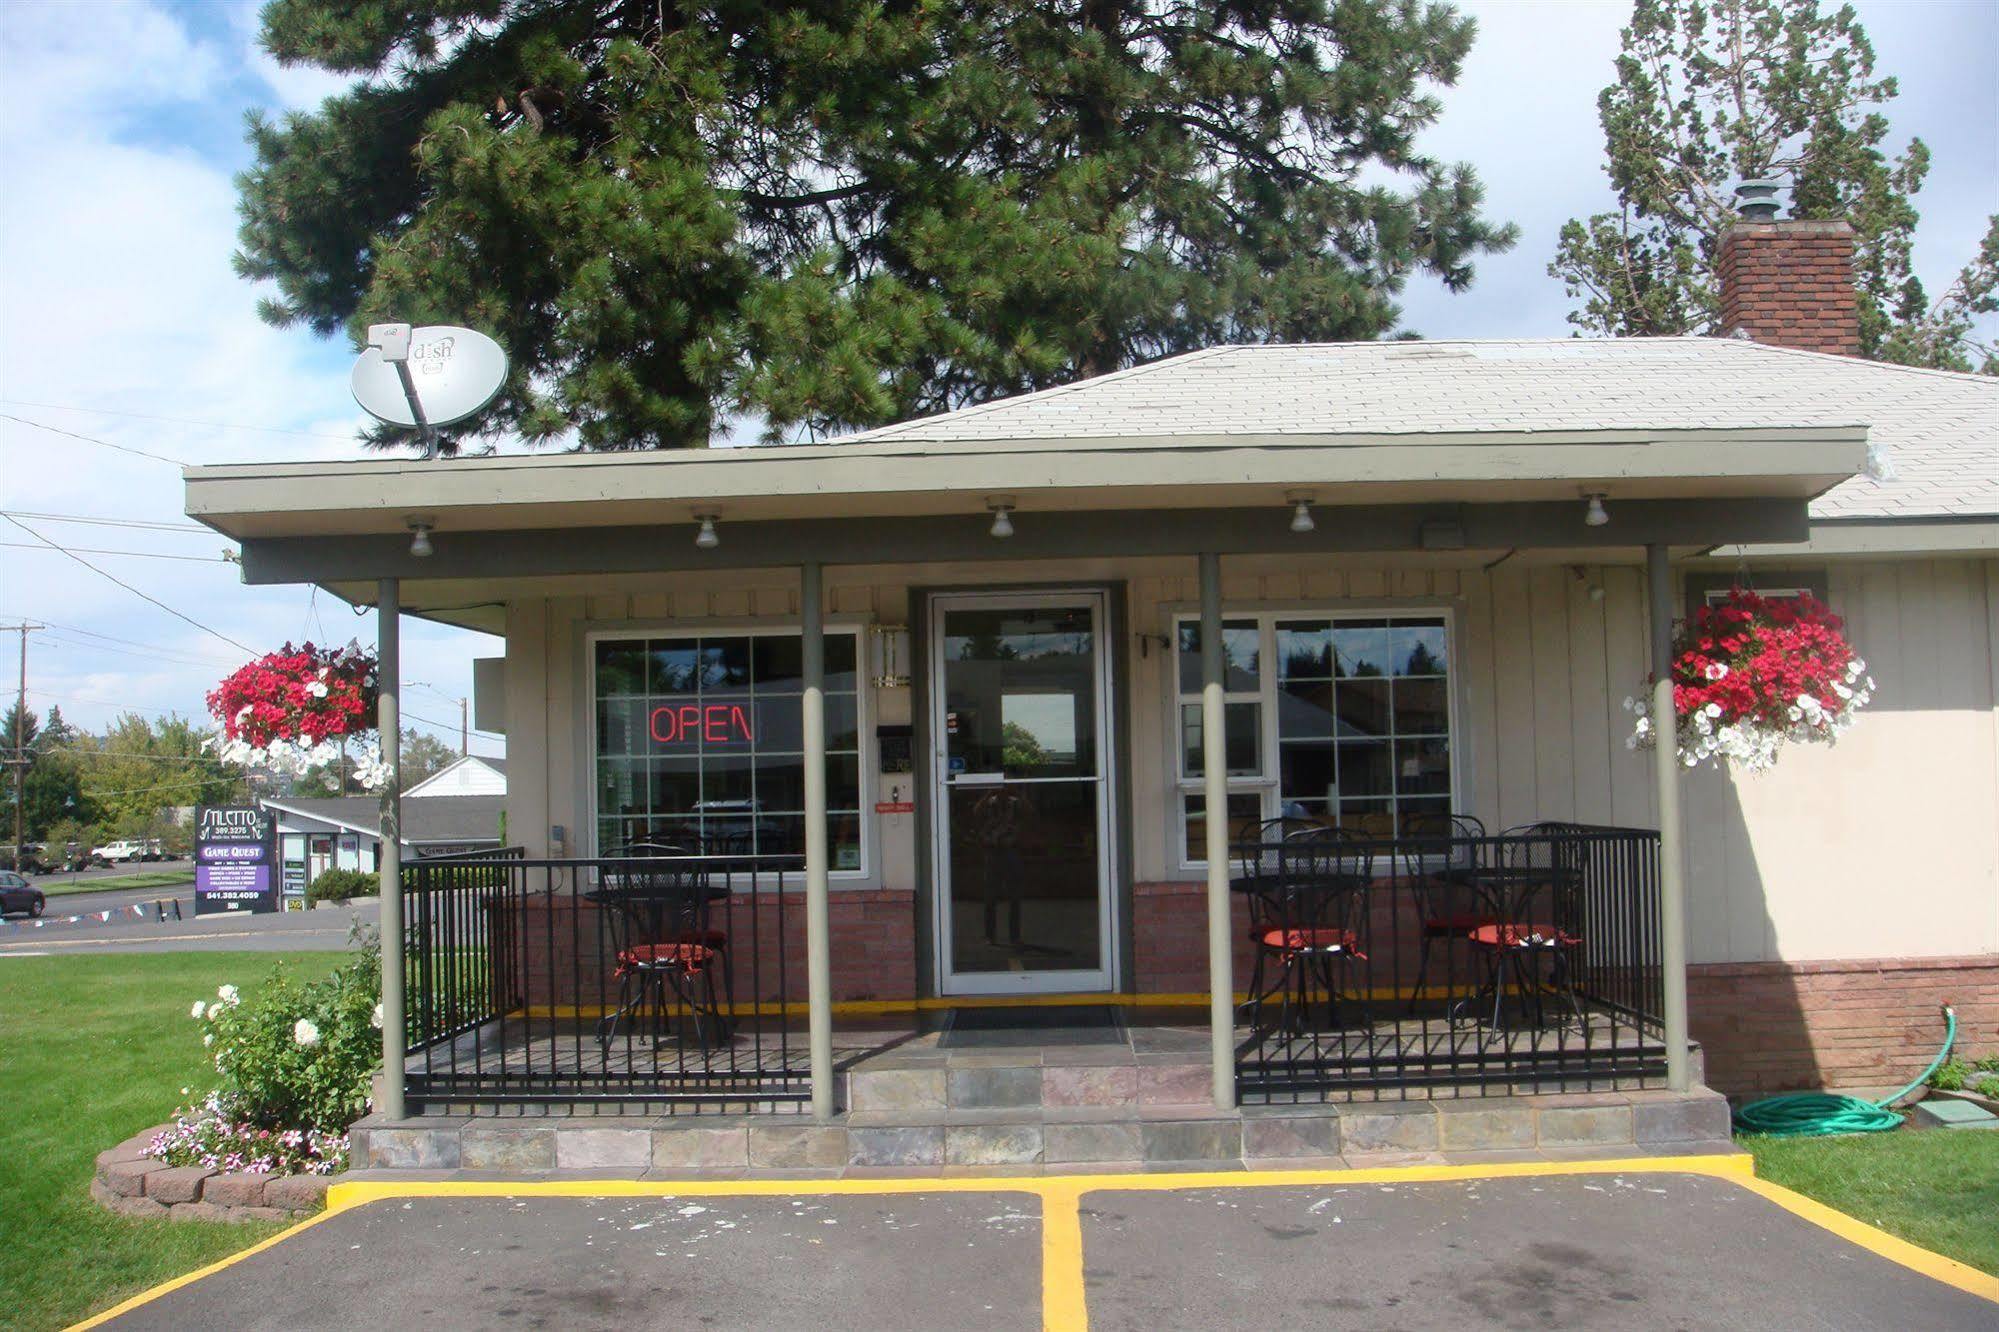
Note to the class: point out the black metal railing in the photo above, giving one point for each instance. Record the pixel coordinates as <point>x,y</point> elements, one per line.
<point>643,982</point>
<point>1448,965</point>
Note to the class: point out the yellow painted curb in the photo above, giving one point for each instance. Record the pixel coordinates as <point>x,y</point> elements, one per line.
<point>1063,1303</point>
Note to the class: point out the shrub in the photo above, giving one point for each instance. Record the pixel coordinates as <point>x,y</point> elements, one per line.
<point>338,885</point>
<point>293,1064</point>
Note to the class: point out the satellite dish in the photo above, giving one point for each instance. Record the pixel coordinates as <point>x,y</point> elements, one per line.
<point>452,372</point>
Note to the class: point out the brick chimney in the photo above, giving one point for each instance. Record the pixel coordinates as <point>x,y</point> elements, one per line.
<point>1786,281</point>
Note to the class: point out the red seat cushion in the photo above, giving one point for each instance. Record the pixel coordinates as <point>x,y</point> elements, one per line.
<point>1523,936</point>
<point>1317,938</point>
<point>712,938</point>
<point>687,956</point>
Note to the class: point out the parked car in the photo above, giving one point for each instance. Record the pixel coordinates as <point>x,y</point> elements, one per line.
<point>18,895</point>
<point>113,853</point>
<point>34,859</point>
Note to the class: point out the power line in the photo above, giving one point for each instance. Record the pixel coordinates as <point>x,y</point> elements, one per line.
<point>147,524</point>
<point>164,786</point>
<point>177,420</point>
<point>92,439</point>
<point>163,655</point>
<point>135,554</point>
<point>129,642</point>
<point>127,586</point>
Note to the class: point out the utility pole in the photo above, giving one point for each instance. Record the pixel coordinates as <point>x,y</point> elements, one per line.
<point>20,759</point>
<point>464,727</point>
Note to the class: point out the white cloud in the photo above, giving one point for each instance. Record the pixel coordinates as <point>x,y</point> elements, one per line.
<point>118,295</point>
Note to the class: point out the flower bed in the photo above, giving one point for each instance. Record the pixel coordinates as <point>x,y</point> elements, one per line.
<point>293,1066</point>
<point>1752,674</point>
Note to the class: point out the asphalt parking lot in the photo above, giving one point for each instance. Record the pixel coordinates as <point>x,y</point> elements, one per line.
<point>1630,1250</point>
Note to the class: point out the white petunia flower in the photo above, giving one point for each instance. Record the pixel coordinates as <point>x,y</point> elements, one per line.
<point>305,1032</point>
<point>376,1020</point>
<point>199,1011</point>
<point>207,1039</point>
<point>227,994</point>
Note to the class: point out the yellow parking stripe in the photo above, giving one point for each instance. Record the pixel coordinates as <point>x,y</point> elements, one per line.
<point>1064,1307</point>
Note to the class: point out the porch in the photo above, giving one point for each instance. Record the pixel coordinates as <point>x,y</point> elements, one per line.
<point>539,986</point>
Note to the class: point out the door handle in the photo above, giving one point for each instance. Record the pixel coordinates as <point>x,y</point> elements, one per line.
<point>978,778</point>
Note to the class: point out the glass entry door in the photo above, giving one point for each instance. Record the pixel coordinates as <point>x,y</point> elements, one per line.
<point>1022,811</point>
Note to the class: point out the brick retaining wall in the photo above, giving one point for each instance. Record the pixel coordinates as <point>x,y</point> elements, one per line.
<point>1782,1026</point>
<point>134,1184</point>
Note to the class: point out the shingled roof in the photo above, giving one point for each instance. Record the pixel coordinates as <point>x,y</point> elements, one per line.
<point>1940,430</point>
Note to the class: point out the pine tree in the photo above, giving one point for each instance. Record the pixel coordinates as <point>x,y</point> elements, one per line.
<point>829,215</point>
<point>1711,92</point>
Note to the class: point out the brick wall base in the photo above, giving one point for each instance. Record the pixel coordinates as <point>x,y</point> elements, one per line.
<point>1783,1026</point>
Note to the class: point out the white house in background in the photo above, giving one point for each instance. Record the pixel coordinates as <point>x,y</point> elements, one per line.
<point>461,808</point>
<point>472,775</point>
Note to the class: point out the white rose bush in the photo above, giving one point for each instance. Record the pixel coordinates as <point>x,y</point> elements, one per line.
<point>293,1064</point>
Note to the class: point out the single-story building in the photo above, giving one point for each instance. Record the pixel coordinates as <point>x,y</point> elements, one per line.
<point>970,686</point>
<point>459,808</point>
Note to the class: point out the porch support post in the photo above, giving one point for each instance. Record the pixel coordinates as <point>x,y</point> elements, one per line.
<point>388,714</point>
<point>1666,774</point>
<point>818,930</point>
<point>1215,788</point>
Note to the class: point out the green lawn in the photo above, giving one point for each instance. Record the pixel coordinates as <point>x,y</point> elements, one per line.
<point>1937,1188</point>
<point>93,1050</point>
<point>166,878</point>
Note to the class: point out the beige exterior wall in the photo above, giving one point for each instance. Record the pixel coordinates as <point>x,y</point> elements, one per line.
<point>1887,845</point>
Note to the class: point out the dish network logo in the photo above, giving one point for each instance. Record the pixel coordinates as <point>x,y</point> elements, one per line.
<point>716,723</point>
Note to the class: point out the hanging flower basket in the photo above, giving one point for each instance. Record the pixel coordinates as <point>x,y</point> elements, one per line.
<point>289,711</point>
<point>1753,673</point>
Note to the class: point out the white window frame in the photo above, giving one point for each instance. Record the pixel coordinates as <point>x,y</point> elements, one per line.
<point>863,722</point>
<point>1266,784</point>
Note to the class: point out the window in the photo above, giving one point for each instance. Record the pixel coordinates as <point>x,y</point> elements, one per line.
<point>701,740</point>
<point>1341,719</point>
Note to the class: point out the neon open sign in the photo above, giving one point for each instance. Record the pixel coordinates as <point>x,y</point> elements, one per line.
<point>688,723</point>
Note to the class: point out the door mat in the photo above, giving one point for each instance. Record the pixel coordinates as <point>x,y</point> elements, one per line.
<point>1005,1028</point>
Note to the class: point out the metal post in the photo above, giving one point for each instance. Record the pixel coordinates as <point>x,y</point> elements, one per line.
<point>818,929</point>
<point>388,610</point>
<point>20,759</point>
<point>1215,785</point>
<point>1666,774</point>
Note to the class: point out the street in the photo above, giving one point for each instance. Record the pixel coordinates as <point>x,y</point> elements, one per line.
<point>128,931</point>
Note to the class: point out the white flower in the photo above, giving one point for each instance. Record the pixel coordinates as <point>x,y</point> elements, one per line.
<point>1712,710</point>
<point>376,1020</point>
<point>1629,702</point>
<point>207,1038</point>
<point>227,994</point>
<point>199,1011</point>
<point>317,689</point>
<point>304,1032</point>
<point>1644,725</point>
<point>1716,670</point>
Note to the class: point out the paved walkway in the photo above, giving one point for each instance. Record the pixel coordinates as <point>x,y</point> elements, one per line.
<point>1143,1252</point>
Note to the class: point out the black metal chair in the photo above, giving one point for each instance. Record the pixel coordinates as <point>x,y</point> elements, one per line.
<point>656,899</point>
<point>1256,861</point>
<point>1536,885</point>
<point>1437,860</point>
<point>1309,921</point>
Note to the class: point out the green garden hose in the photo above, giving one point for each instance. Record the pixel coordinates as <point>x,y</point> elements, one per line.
<point>1810,1114</point>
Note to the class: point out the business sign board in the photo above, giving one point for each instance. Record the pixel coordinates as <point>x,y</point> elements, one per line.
<point>233,860</point>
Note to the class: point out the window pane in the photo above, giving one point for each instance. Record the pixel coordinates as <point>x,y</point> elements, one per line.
<point>840,669</point>
<point>1363,707</point>
<point>776,663</point>
<point>1242,729</point>
<point>1423,818</point>
<point>1418,647</point>
<point>1368,818</point>
<point>725,663</point>
<point>674,667</point>
<point>1360,648</point>
<point>1245,812</point>
<point>1242,651</point>
<point>621,786</point>
<point>1423,767</point>
<point>843,837</point>
<point>1364,770</point>
<point>1306,771</point>
<point>1305,710</point>
<point>843,784</point>
<point>1304,650</point>
<point>621,668</point>
<point>780,723</point>
<point>843,723</point>
<point>726,782</point>
<point>676,786</point>
<point>1422,707</point>
<point>621,726</point>
<point>780,783</point>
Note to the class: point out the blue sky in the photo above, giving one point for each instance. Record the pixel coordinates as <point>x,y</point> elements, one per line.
<point>120,131</point>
